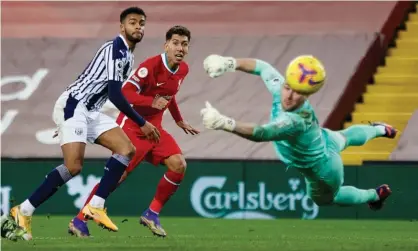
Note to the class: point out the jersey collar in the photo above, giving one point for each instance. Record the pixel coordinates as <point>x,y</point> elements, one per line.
<point>165,61</point>
<point>124,42</point>
<point>304,110</point>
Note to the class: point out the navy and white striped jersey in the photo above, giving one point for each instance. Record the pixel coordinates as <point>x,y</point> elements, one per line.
<point>113,61</point>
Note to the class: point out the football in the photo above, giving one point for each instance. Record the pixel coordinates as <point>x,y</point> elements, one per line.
<point>305,74</point>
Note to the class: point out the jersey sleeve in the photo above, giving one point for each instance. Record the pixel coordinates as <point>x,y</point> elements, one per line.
<point>270,76</point>
<point>140,77</point>
<point>186,71</point>
<point>115,61</point>
<point>174,110</point>
<point>286,125</point>
<point>132,95</point>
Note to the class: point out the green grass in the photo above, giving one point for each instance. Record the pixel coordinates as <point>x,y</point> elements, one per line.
<point>217,234</point>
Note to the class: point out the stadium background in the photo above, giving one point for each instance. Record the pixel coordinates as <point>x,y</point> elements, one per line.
<point>371,59</point>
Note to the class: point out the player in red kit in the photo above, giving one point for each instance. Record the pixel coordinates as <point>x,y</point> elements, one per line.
<point>151,89</point>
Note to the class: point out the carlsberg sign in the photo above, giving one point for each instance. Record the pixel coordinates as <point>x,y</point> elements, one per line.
<point>213,197</point>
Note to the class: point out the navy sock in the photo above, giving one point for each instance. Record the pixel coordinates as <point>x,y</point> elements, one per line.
<point>56,178</point>
<point>114,169</point>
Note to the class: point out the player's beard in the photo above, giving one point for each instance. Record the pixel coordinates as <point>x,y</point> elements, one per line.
<point>134,40</point>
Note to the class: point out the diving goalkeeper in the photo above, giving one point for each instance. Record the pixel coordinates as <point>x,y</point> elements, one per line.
<point>299,141</point>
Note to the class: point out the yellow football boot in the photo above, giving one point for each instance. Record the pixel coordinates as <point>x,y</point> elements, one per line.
<point>99,215</point>
<point>23,221</point>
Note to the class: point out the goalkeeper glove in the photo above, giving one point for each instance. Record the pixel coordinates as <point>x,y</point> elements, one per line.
<point>216,65</point>
<point>214,120</point>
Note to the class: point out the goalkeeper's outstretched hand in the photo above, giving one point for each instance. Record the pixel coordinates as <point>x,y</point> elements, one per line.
<point>213,119</point>
<point>216,65</point>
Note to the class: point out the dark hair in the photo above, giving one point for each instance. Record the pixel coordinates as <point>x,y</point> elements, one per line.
<point>178,30</point>
<point>131,10</point>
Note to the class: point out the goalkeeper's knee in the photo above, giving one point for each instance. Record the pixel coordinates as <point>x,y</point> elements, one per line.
<point>323,200</point>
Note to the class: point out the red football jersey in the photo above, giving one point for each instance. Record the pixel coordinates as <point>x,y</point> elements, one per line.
<point>153,78</point>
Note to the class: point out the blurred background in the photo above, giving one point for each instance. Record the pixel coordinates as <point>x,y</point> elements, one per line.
<point>370,51</point>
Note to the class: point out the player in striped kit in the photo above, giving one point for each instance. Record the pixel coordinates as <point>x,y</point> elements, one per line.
<point>77,115</point>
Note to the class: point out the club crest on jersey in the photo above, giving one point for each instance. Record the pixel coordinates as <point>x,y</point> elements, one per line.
<point>78,131</point>
<point>304,114</point>
<point>143,72</point>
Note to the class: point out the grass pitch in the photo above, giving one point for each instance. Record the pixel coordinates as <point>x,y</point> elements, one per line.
<point>219,234</point>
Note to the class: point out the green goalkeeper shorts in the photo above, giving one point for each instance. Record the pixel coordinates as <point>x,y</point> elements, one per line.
<point>325,178</point>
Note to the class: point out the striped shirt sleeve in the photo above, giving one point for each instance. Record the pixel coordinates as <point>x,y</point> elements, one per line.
<point>114,64</point>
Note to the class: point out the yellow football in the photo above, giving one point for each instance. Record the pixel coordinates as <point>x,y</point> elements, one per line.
<point>305,74</point>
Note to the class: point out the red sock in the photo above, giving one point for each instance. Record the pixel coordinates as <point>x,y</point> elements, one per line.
<point>93,191</point>
<point>167,186</point>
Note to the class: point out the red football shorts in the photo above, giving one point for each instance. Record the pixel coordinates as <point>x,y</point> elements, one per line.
<point>154,153</point>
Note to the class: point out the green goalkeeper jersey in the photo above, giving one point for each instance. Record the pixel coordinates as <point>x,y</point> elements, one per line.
<point>297,136</point>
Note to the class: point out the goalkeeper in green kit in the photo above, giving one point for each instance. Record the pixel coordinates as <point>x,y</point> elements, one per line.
<point>300,142</point>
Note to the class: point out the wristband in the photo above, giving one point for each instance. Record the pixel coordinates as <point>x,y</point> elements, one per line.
<point>229,124</point>
<point>231,64</point>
